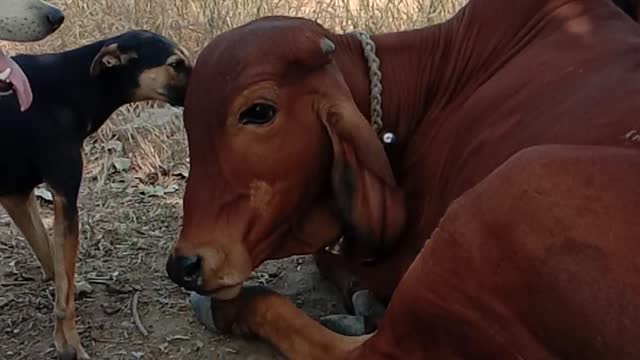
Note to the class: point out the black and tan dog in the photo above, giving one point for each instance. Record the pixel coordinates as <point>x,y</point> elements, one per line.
<point>74,94</point>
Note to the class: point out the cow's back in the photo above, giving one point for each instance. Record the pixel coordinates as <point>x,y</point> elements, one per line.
<point>577,82</point>
<point>538,261</point>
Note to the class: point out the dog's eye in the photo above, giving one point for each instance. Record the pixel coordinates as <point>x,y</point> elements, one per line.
<point>257,114</point>
<point>176,64</point>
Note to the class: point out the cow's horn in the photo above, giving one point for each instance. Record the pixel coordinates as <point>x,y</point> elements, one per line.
<point>327,46</point>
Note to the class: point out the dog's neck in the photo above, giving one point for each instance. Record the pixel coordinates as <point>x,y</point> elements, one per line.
<point>88,100</point>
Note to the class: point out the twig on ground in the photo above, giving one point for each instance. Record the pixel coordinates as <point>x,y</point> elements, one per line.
<point>136,316</point>
<point>112,341</point>
<point>177,337</point>
<point>15,283</point>
<point>99,281</point>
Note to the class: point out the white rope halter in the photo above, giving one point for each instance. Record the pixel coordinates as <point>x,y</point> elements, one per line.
<point>375,79</point>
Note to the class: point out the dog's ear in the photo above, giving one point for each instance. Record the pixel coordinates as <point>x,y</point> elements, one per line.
<point>370,204</point>
<point>110,56</point>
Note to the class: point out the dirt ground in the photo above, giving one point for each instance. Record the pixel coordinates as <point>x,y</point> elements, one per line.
<point>130,213</point>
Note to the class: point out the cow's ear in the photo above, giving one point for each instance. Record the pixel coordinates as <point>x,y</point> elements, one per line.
<point>370,203</point>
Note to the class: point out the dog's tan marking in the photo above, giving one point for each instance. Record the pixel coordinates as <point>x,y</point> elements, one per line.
<point>153,82</point>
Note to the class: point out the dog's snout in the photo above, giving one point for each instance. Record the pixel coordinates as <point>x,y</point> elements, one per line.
<point>55,17</point>
<point>184,271</point>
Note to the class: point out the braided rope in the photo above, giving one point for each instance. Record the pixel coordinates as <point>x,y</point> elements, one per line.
<point>375,78</point>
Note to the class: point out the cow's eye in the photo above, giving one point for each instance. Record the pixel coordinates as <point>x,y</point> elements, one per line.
<point>257,114</point>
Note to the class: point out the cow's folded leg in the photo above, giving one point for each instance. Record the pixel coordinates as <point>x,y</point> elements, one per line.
<point>261,312</point>
<point>360,302</point>
<point>349,325</point>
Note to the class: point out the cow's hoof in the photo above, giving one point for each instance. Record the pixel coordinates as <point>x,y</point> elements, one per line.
<point>68,354</point>
<point>230,316</point>
<point>201,307</point>
<point>366,305</point>
<point>348,325</point>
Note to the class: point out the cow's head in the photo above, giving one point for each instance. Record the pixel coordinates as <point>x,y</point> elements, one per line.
<point>282,160</point>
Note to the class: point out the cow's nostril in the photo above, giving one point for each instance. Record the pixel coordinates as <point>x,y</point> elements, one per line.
<point>184,270</point>
<point>55,17</point>
<point>191,267</point>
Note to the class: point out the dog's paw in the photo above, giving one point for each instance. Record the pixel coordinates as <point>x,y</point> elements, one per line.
<point>68,353</point>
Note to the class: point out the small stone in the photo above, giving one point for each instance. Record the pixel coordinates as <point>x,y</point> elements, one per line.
<point>109,309</point>
<point>366,305</point>
<point>121,164</point>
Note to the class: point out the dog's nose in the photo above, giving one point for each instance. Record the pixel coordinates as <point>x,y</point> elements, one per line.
<point>184,271</point>
<point>55,17</point>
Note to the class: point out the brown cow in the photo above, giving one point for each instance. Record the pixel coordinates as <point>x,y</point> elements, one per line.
<point>516,155</point>
<point>630,7</point>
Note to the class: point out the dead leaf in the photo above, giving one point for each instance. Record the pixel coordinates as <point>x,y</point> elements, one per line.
<point>121,164</point>
<point>157,190</point>
<point>118,186</point>
<point>180,170</point>
<point>151,190</point>
<point>4,301</point>
<point>177,337</point>
<point>43,194</point>
<point>83,288</point>
<point>171,189</point>
<point>113,145</point>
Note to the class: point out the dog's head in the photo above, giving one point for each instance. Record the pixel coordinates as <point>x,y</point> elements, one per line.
<point>148,66</point>
<point>24,21</point>
<point>28,20</point>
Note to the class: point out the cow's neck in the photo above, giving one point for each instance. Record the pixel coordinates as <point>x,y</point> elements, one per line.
<point>430,69</point>
<point>428,75</point>
<point>402,83</point>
